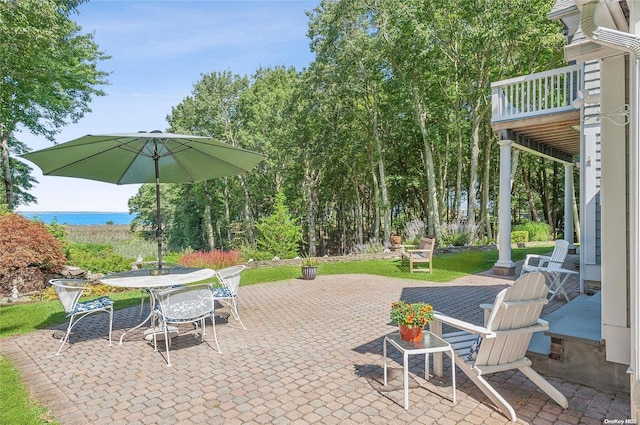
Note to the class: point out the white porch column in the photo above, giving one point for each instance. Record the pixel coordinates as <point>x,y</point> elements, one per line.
<point>568,205</point>
<point>504,266</point>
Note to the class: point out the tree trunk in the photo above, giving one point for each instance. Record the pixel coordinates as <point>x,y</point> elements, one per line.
<point>248,218</point>
<point>359,219</point>
<point>443,191</point>
<point>311,217</point>
<point>6,170</point>
<point>473,169</point>
<point>208,224</point>
<point>485,216</point>
<point>526,178</point>
<point>227,213</point>
<point>384,194</point>
<point>545,192</point>
<point>376,194</point>
<point>554,200</point>
<point>433,208</point>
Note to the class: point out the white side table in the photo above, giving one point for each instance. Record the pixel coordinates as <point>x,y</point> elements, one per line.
<point>430,344</point>
<point>557,281</point>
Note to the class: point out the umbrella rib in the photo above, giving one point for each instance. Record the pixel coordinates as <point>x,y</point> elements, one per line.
<point>228,147</point>
<point>185,146</point>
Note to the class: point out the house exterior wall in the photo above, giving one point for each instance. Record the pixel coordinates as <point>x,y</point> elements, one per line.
<point>614,194</point>
<point>590,172</point>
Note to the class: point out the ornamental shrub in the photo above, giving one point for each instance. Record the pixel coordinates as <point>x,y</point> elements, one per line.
<point>519,236</point>
<point>279,234</point>
<point>215,259</point>
<point>25,243</point>
<point>96,258</point>
<point>59,231</point>
<point>538,230</point>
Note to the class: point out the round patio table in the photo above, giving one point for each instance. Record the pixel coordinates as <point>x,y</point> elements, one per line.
<point>155,279</point>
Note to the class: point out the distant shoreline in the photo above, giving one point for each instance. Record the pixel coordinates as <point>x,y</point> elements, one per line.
<point>72,212</point>
<point>80,218</point>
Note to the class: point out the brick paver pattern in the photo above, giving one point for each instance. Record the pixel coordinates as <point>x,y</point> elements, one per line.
<point>311,354</point>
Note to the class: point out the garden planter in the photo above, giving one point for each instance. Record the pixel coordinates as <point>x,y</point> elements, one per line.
<point>413,334</point>
<point>309,272</point>
<point>395,240</point>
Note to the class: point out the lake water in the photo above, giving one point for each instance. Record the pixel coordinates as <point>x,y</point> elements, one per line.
<point>81,218</point>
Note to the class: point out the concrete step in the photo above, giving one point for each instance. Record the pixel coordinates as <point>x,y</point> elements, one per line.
<point>573,349</point>
<point>579,320</point>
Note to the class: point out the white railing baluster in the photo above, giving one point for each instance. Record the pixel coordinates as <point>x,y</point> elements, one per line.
<point>541,93</point>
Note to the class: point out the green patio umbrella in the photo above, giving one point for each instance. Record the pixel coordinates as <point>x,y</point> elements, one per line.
<point>144,157</point>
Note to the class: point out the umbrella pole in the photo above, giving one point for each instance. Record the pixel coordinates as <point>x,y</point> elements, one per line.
<point>158,222</point>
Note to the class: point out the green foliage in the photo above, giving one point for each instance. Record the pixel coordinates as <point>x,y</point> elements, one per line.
<point>96,258</point>
<point>186,229</point>
<point>519,236</point>
<point>537,231</point>
<point>310,262</point>
<point>20,173</point>
<point>39,36</point>
<point>279,234</point>
<point>58,231</point>
<point>456,234</point>
<point>170,257</point>
<point>249,252</point>
<point>25,243</point>
<point>143,205</point>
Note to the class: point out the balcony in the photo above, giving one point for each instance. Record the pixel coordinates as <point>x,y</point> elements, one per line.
<point>536,111</point>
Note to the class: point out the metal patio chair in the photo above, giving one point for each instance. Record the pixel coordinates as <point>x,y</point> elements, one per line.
<point>185,304</point>
<point>69,292</point>
<point>227,292</point>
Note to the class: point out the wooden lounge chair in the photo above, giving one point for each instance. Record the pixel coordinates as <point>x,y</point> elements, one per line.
<point>501,344</point>
<point>536,263</point>
<point>424,254</point>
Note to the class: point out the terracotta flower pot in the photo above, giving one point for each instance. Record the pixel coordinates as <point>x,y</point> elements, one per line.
<point>413,334</point>
<point>395,240</point>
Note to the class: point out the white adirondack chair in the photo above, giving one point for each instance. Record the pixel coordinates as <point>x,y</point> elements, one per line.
<point>536,263</point>
<point>501,344</point>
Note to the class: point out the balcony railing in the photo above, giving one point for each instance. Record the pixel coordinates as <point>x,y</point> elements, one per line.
<point>536,94</point>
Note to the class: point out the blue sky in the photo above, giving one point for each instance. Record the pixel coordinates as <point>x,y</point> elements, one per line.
<point>159,49</point>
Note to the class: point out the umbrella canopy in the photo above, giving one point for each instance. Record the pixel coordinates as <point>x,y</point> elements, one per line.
<point>153,157</point>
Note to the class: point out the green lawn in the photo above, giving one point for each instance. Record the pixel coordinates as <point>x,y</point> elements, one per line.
<point>15,403</point>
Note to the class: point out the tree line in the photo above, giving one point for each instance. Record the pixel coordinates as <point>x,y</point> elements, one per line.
<point>389,126</point>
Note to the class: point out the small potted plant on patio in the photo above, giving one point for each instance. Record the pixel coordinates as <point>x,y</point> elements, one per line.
<point>411,318</point>
<point>309,268</point>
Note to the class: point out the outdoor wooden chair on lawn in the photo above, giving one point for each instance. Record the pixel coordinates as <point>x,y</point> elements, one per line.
<point>424,254</point>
